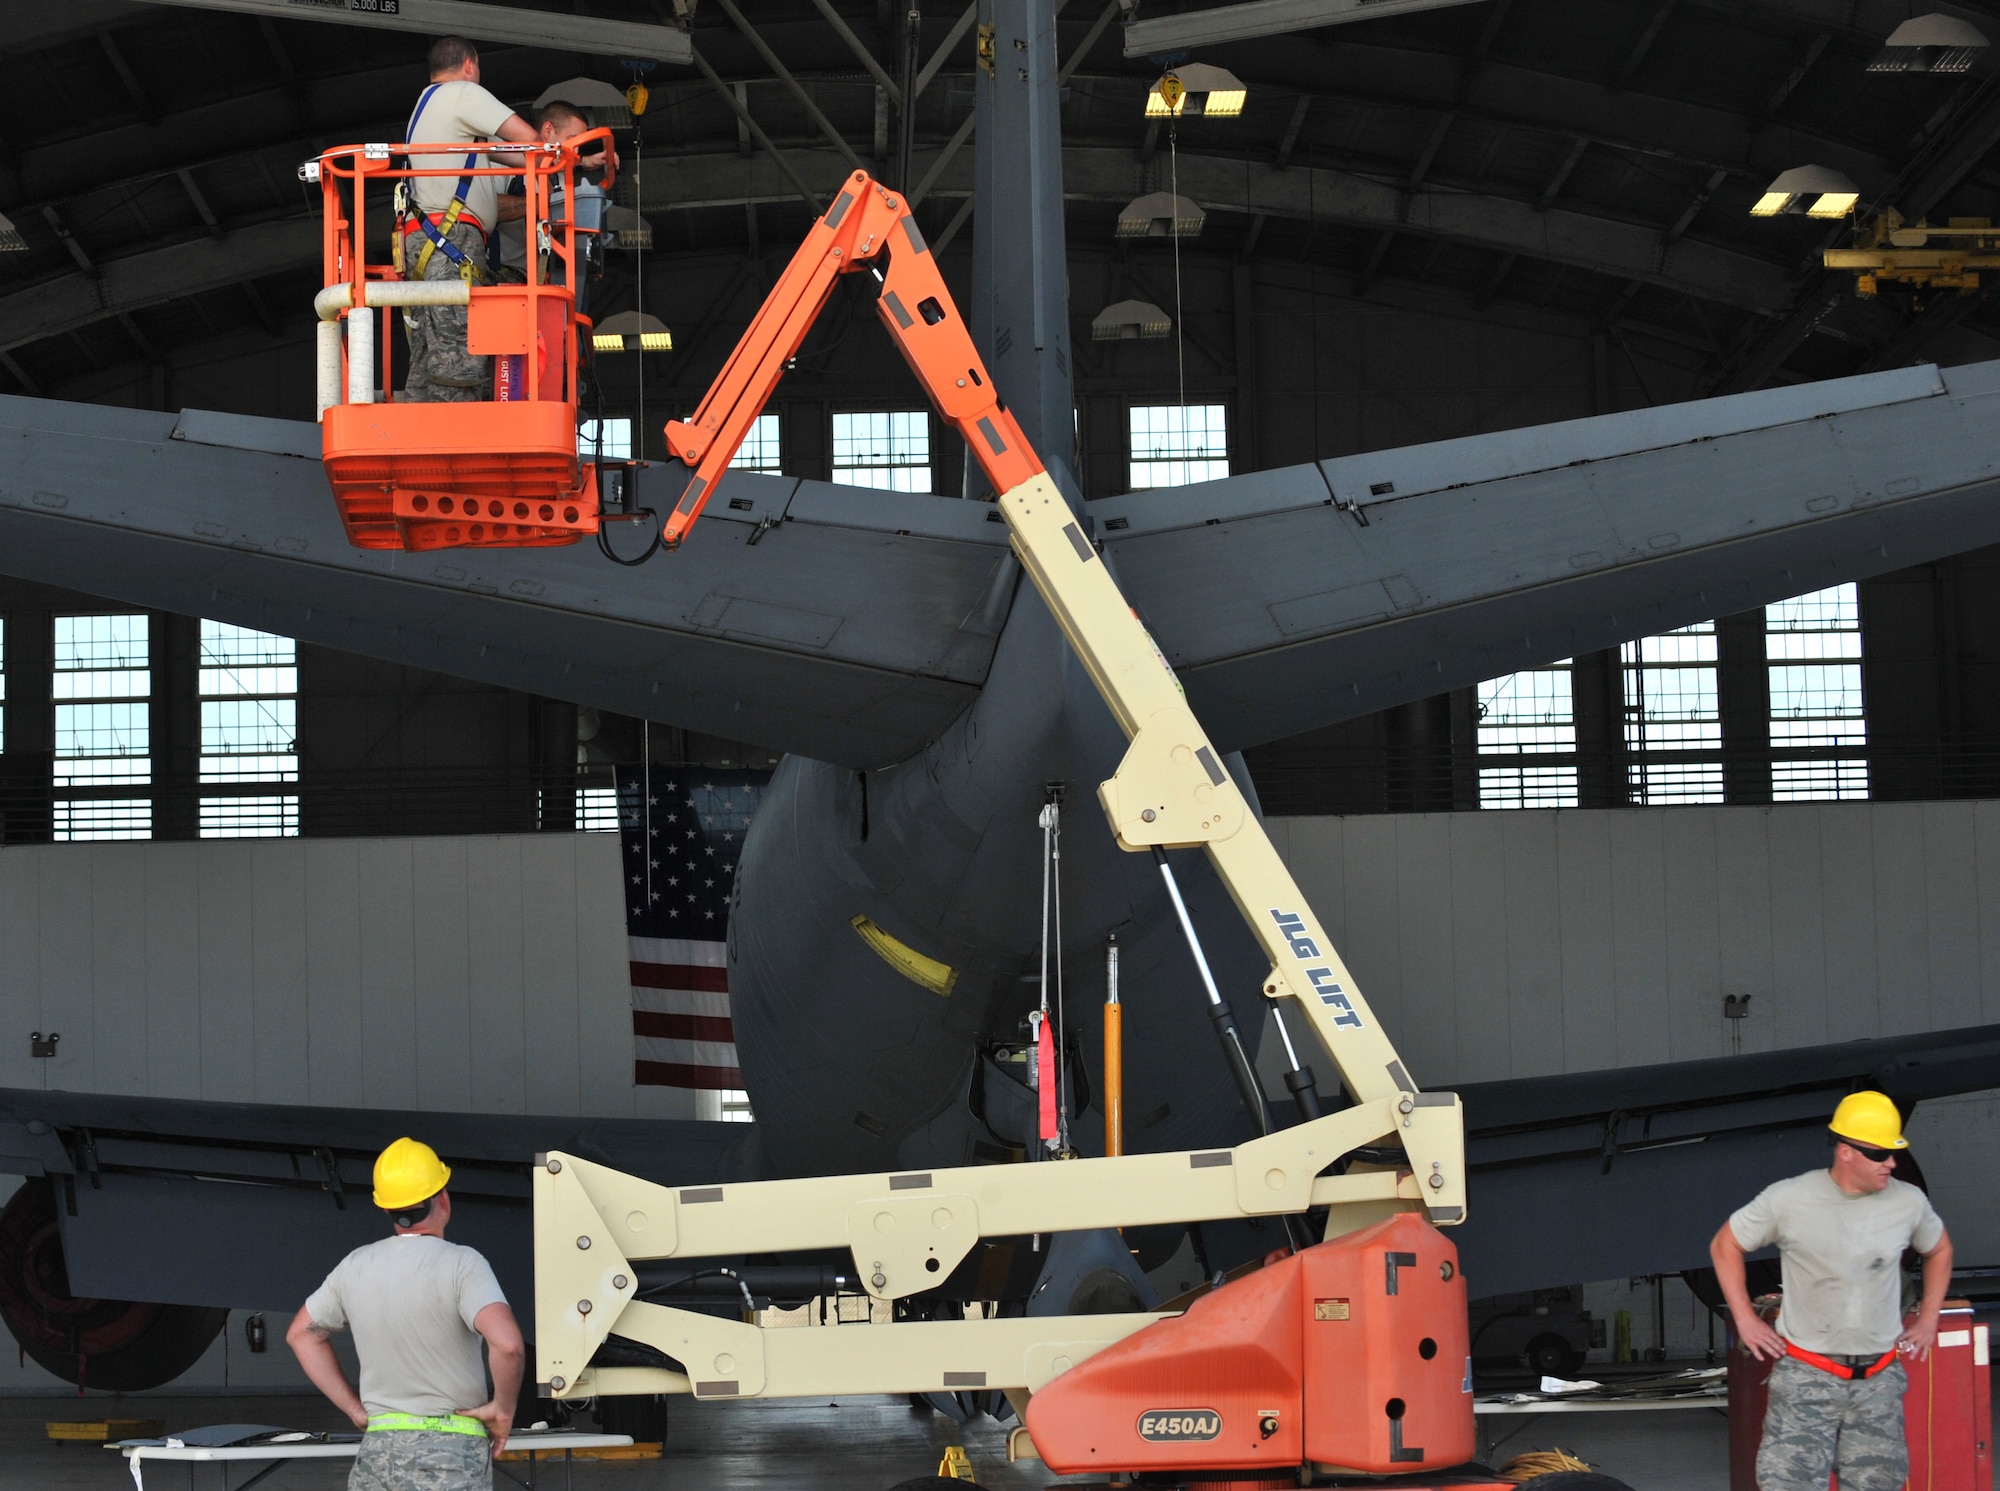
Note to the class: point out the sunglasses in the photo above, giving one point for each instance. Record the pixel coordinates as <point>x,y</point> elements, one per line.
<point>1870,1152</point>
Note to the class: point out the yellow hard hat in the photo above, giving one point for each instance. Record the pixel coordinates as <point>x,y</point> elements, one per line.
<point>1869,1118</point>
<point>408,1173</point>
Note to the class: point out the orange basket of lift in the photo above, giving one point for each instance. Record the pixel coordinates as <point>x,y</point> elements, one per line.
<point>499,473</point>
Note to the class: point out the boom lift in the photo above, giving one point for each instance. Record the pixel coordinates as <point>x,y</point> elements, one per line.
<point>492,473</point>
<point>1345,1356</point>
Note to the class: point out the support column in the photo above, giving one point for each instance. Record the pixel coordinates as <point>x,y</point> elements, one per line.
<point>176,726</point>
<point>1418,738</point>
<point>553,764</point>
<point>1597,694</point>
<point>1019,305</point>
<point>1243,438</point>
<point>1743,687</point>
<point>26,766</point>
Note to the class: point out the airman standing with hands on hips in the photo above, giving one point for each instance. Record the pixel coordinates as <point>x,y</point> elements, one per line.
<point>1836,1400</point>
<point>420,1309</point>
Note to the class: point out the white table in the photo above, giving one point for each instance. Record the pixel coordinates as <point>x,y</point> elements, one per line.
<point>1716,1401</point>
<point>278,1456</point>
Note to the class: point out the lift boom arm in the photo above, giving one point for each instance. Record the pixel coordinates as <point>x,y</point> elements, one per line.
<point>865,224</point>
<point>1170,791</point>
<point>908,1232</point>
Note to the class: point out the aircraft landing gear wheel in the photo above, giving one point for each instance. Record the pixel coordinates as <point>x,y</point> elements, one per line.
<point>1574,1480</point>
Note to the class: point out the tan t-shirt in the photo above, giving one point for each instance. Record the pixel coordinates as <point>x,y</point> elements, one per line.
<point>457,110</point>
<point>410,1301</point>
<point>1842,1258</point>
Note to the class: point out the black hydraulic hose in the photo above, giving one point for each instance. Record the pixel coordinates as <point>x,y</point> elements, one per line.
<point>604,541</point>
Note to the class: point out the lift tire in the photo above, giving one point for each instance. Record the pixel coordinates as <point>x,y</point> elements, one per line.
<point>936,1483</point>
<point>1573,1480</point>
<point>1552,1356</point>
<point>117,1345</point>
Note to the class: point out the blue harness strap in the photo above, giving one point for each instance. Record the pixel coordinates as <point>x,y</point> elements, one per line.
<point>439,241</point>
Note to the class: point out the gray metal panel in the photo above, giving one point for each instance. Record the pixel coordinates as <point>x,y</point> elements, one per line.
<point>1283,615</point>
<point>852,631</point>
<point>1387,475</point>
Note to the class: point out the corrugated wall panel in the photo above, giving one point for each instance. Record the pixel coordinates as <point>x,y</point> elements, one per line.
<point>473,974</point>
<point>1508,944</point>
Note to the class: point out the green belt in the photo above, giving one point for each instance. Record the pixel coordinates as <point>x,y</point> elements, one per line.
<point>450,1423</point>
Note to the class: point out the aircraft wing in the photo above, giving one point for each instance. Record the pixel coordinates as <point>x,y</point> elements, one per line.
<point>1605,1175</point>
<point>250,1205</point>
<point>852,625</point>
<point>1591,1175</point>
<point>841,623</point>
<point>1296,598</point>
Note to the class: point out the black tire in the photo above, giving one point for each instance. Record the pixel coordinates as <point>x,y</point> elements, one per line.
<point>1573,1480</point>
<point>118,1345</point>
<point>934,1483</point>
<point>1552,1356</point>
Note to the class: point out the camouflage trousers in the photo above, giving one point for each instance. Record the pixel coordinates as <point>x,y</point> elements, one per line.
<point>421,1460</point>
<point>441,370</point>
<point>1818,1424</point>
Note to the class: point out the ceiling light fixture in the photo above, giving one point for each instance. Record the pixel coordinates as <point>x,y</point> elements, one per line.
<point>605,103</point>
<point>1816,191</point>
<point>1932,43</point>
<point>1161,215</point>
<point>1130,321</point>
<point>626,229</point>
<point>1196,88</point>
<point>632,331</point>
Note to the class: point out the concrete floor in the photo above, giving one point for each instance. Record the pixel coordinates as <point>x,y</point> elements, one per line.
<point>864,1444</point>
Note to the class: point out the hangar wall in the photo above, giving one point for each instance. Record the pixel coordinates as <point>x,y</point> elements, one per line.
<point>482,974</point>
<point>1516,944</point>
<point>488,974</point>
<point>1520,944</point>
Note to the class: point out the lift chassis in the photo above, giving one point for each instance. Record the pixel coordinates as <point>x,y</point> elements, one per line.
<point>1349,1353</point>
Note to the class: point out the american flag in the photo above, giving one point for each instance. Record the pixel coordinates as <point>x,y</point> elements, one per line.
<point>681,832</point>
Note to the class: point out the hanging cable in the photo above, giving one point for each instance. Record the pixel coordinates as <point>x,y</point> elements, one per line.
<point>652,548</point>
<point>635,451</point>
<point>1173,233</point>
<point>646,802</point>
<point>638,447</point>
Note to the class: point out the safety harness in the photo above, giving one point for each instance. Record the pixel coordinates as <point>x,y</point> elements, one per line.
<point>449,1423</point>
<point>1853,1371</point>
<point>437,235</point>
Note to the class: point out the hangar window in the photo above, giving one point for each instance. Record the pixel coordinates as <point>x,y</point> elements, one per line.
<point>1175,444</point>
<point>1673,716</point>
<point>724,1105</point>
<point>605,440</point>
<point>759,451</point>
<point>249,684</point>
<point>597,810</point>
<point>883,448</point>
<point>1813,644</point>
<point>1524,719</point>
<point>103,685</point>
